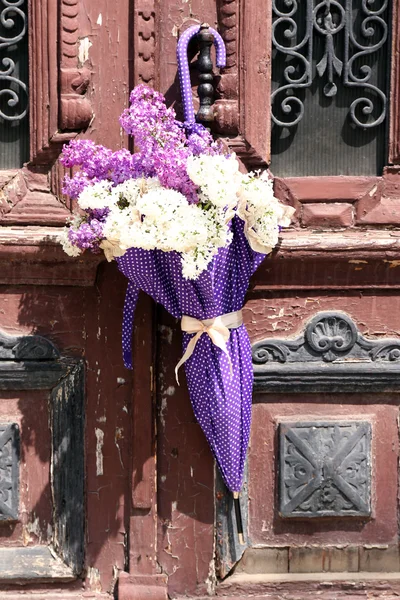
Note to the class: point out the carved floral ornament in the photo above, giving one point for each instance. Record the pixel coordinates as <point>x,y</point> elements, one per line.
<point>330,338</point>
<point>325,469</point>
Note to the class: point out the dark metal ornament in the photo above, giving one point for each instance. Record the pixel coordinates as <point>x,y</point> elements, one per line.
<point>353,34</point>
<point>205,90</point>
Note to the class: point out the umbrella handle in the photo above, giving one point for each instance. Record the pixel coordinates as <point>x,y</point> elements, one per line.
<point>183,65</point>
<point>238,515</point>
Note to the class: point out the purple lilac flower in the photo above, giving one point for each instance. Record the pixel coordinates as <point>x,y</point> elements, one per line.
<point>73,186</point>
<point>100,214</point>
<point>87,236</point>
<point>164,147</point>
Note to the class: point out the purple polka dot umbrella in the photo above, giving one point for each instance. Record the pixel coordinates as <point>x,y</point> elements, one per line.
<point>220,388</point>
<point>219,379</point>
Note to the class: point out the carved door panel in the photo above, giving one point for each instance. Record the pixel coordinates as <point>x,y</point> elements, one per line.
<point>50,103</point>
<point>41,463</point>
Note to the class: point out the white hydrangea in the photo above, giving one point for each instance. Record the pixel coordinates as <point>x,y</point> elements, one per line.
<point>217,177</point>
<point>146,215</point>
<point>262,212</point>
<point>96,196</point>
<point>131,189</point>
<point>195,262</point>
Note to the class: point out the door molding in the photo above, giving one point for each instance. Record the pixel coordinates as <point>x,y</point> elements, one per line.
<point>32,362</point>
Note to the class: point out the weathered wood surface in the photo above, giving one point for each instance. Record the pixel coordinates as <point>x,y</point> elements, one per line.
<point>34,564</point>
<point>51,594</point>
<point>67,409</point>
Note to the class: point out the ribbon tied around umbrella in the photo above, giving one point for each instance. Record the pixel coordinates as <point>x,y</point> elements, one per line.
<point>217,329</point>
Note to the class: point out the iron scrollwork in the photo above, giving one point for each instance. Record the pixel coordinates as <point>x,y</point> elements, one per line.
<point>358,39</point>
<point>13,21</point>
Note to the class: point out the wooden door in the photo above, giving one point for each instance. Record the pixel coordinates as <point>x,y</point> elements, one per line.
<point>322,318</point>
<point>108,478</point>
<point>64,475</point>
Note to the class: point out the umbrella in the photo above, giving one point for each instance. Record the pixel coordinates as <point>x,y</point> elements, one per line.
<point>217,360</point>
<point>220,386</point>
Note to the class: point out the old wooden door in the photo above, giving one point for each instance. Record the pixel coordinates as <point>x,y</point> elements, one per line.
<point>320,499</point>
<point>64,475</point>
<point>107,485</point>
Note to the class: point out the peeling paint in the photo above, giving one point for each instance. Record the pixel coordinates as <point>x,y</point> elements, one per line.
<point>83,50</point>
<point>211,581</point>
<point>99,19</point>
<point>119,435</point>
<point>392,263</point>
<point>114,579</point>
<point>166,332</point>
<point>372,192</point>
<point>94,579</point>
<point>358,262</point>
<point>99,451</point>
<point>279,315</point>
<point>32,528</point>
<point>162,411</point>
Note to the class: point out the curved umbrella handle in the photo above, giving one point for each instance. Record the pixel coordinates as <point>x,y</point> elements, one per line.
<point>183,66</point>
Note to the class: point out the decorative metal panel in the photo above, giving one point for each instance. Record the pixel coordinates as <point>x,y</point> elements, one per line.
<point>325,469</point>
<point>14,126</point>
<point>330,83</point>
<point>9,471</point>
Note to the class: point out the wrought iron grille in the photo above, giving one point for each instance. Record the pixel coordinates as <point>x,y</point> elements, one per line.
<point>14,126</point>
<point>330,74</point>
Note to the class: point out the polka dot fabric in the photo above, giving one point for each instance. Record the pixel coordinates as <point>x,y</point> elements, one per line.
<point>221,401</point>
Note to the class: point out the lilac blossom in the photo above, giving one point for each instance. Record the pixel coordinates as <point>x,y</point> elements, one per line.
<point>87,236</point>
<point>164,145</point>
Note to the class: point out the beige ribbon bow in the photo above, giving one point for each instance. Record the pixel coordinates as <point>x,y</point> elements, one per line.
<point>217,329</point>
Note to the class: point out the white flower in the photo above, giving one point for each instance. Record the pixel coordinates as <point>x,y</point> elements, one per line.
<point>195,262</point>
<point>143,214</point>
<point>262,212</point>
<point>159,203</point>
<point>132,189</point>
<point>217,177</point>
<point>96,196</point>
<point>68,248</point>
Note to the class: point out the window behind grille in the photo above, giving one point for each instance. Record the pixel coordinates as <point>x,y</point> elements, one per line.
<point>14,122</point>
<point>338,53</point>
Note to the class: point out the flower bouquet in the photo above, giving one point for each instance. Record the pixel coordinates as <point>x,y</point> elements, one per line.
<point>189,229</point>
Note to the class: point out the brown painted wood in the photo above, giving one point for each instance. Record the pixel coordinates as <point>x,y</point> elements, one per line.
<point>143,523</point>
<point>57,112</point>
<point>255,76</point>
<point>394,106</point>
<point>328,189</point>
<point>150,494</point>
